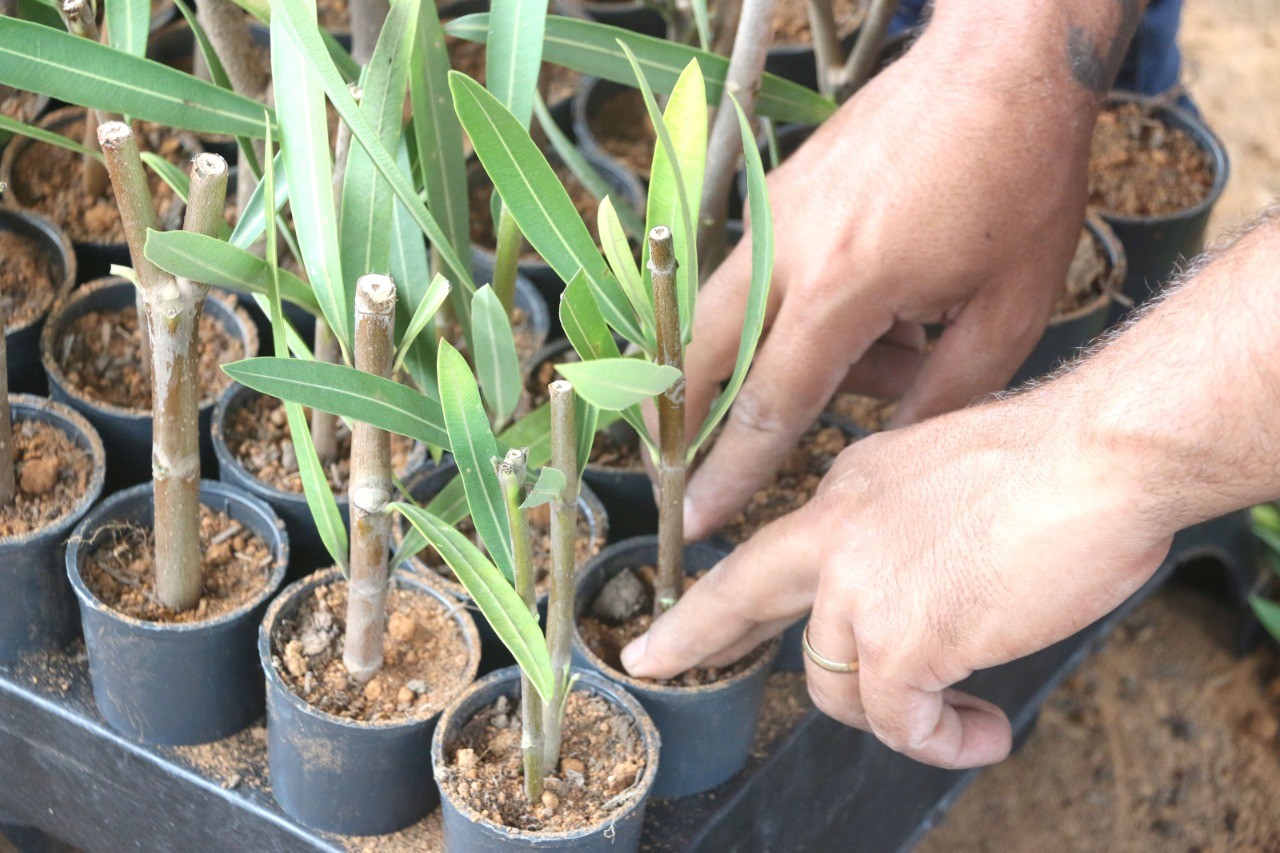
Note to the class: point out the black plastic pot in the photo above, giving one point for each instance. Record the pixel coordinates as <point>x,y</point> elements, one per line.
<point>93,260</point>
<point>22,343</point>
<point>126,433</point>
<point>426,486</point>
<point>467,831</point>
<point>338,775</point>
<point>1156,246</point>
<point>706,731</point>
<point>39,610</point>
<point>626,190</point>
<point>307,550</point>
<point>635,15</point>
<point>591,94</point>
<point>798,63</point>
<point>1068,333</point>
<point>175,683</point>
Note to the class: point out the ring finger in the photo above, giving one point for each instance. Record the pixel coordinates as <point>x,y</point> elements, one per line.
<point>831,637</point>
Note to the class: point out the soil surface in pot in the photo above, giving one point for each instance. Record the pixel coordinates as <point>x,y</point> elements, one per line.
<point>1086,277</point>
<point>793,486</point>
<point>865,412</point>
<point>257,434</point>
<point>17,104</point>
<point>621,127</point>
<point>98,354</point>
<point>424,657</point>
<point>121,569</point>
<point>47,180</point>
<point>539,546</point>
<point>53,473</point>
<point>601,756</point>
<point>27,280</point>
<point>623,610</point>
<point>482,227</point>
<point>1139,166</point>
<point>791,20</point>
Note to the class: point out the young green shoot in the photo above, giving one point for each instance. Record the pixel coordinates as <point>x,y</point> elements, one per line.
<point>371,487</point>
<point>173,308</point>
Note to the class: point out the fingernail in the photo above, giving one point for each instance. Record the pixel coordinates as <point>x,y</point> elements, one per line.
<point>633,654</point>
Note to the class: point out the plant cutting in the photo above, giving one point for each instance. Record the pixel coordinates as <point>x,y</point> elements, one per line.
<point>175,570</point>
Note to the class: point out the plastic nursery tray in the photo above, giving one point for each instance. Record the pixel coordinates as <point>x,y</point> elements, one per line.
<point>820,786</point>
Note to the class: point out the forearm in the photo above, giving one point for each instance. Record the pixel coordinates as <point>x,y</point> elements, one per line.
<point>1183,407</point>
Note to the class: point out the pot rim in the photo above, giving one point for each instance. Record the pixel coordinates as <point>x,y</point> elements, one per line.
<point>71,421</point>
<point>1204,137</point>
<point>1105,238</point>
<point>765,652</point>
<point>234,321</point>
<point>293,593</point>
<point>611,691</point>
<point>55,237</point>
<point>94,520</point>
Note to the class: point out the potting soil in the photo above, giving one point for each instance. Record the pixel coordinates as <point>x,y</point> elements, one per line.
<point>791,20</point>
<point>27,280</point>
<point>1140,166</point>
<point>622,128</point>
<point>53,474</point>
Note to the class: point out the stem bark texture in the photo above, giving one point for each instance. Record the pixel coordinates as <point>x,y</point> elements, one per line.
<point>671,437</point>
<point>564,535</point>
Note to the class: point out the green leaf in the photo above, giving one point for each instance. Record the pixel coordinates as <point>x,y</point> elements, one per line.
<point>315,482</point>
<point>253,219</point>
<point>474,449</point>
<point>347,393</point>
<point>497,364</point>
<point>675,182</point>
<point>514,56</point>
<point>437,136</point>
<point>169,173</point>
<point>430,303</point>
<point>217,72</point>
<point>309,170</point>
<point>615,384</point>
<point>79,71</point>
<point>11,125</point>
<point>1266,516</point>
<point>259,9</point>
<point>592,48</point>
<point>368,206</point>
<point>128,23</point>
<point>300,30</point>
<point>702,21</point>
<point>1268,613</point>
<point>761,275</point>
<point>493,594</point>
<point>210,260</point>
<point>618,252</point>
<point>551,482</point>
<point>412,273</point>
<point>536,198</point>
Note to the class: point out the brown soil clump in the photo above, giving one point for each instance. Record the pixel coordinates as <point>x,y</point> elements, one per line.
<point>257,434</point>
<point>585,547</point>
<point>121,569</point>
<point>792,487</point>
<point>53,474</point>
<point>1086,278</point>
<point>98,353</point>
<point>27,281</point>
<point>791,20</point>
<point>621,126</point>
<point>424,657</point>
<point>864,412</point>
<point>1140,166</point>
<point>606,635</point>
<point>18,105</point>
<point>482,227</point>
<point>46,179</point>
<point>786,703</point>
<point>602,758</point>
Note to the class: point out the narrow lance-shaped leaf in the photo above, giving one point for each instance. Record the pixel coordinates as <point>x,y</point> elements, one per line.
<point>536,198</point>
<point>368,206</point>
<point>49,137</point>
<point>550,484</point>
<point>79,71</point>
<point>474,449</point>
<point>315,482</point>
<point>300,30</point>
<point>214,262</point>
<point>497,364</point>
<point>411,270</point>
<point>347,393</point>
<point>435,296</point>
<point>253,219</point>
<point>617,383</point>
<point>675,186</point>
<point>591,48</point>
<point>702,21</point>
<point>514,55</point>
<point>309,170</point>
<point>493,594</point>
<point>128,23</point>
<point>1268,613</point>
<point>761,275</point>
<point>618,252</point>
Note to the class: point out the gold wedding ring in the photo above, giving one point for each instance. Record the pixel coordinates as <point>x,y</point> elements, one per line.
<point>826,663</point>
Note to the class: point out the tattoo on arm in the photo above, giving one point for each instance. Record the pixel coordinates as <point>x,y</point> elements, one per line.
<point>1095,65</point>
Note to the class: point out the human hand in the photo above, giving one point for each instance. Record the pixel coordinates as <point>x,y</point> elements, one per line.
<point>930,552</point>
<point>938,194</point>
